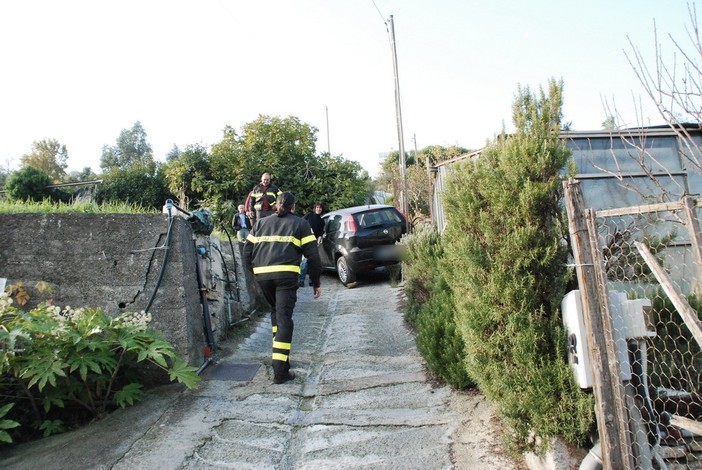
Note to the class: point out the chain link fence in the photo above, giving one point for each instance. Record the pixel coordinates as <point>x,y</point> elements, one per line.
<point>639,272</point>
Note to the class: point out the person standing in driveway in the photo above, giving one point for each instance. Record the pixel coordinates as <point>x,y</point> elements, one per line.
<point>315,220</point>
<point>273,251</point>
<point>260,202</point>
<point>241,224</point>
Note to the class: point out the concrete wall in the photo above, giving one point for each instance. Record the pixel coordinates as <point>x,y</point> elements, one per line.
<point>114,261</point>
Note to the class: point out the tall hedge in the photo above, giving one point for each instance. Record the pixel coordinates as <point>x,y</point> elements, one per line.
<point>505,260</point>
<point>430,308</point>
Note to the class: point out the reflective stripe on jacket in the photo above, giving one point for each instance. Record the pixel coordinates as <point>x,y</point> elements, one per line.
<point>257,194</point>
<point>275,246</point>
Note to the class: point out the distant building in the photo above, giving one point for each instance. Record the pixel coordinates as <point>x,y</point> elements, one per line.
<point>382,156</point>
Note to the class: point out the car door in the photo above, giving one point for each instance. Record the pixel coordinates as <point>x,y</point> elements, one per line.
<point>332,224</point>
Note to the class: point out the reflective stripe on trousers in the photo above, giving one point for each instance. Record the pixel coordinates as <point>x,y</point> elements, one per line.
<point>281,294</point>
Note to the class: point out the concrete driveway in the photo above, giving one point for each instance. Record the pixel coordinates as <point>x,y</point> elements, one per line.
<point>361,399</point>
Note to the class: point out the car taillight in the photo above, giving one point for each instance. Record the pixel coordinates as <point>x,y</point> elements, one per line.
<point>351,223</point>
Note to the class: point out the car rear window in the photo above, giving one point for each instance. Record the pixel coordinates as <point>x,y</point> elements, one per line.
<point>372,218</point>
<point>333,224</point>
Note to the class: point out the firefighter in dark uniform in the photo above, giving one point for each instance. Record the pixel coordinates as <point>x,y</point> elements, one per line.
<point>273,251</point>
<point>262,197</point>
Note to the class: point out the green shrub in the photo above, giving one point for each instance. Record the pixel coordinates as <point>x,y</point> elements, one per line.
<point>68,366</point>
<point>28,183</point>
<point>143,185</point>
<point>505,261</point>
<point>422,253</point>
<point>430,308</point>
<point>6,424</point>
<point>440,342</point>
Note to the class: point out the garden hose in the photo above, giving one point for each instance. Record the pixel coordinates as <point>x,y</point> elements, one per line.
<point>167,246</point>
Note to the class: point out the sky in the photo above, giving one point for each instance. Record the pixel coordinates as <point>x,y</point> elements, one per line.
<point>81,71</point>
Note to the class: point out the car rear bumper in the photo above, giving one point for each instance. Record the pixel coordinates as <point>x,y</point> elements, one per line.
<point>364,259</point>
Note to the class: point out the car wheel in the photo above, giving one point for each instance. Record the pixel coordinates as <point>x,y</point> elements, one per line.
<point>345,273</point>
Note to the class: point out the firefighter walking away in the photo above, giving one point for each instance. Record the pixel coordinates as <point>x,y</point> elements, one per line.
<point>273,251</point>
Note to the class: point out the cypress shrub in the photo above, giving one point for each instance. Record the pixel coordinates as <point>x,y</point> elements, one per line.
<point>430,309</point>
<point>505,259</point>
<point>440,342</point>
<point>420,268</point>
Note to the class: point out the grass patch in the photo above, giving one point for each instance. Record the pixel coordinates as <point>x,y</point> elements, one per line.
<point>48,207</point>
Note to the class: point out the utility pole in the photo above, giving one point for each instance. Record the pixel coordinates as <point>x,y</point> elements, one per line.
<point>400,135</point>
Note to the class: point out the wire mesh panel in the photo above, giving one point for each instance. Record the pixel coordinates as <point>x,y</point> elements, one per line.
<point>651,259</point>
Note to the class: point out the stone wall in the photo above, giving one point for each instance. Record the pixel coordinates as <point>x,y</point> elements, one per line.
<point>116,262</point>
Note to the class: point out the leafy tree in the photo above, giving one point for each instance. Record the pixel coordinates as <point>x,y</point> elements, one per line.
<point>283,147</point>
<point>140,184</point>
<point>28,183</point>
<point>188,175</point>
<point>505,262</point>
<point>277,145</point>
<point>334,181</point>
<point>173,154</point>
<point>419,183</point>
<point>86,174</point>
<point>389,179</point>
<point>437,154</point>
<point>5,171</point>
<point>132,148</point>
<point>49,156</point>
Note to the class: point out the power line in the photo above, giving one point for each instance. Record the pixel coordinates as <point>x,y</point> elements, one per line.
<point>382,17</point>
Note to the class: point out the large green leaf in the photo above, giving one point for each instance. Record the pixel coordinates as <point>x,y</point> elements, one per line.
<point>44,371</point>
<point>183,373</point>
<point>129,394</point>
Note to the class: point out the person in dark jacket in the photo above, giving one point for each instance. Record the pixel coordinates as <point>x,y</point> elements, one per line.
<point>273,251</point>
<point>262,198</point>
<point>315,220</point>
<point>241,223</point>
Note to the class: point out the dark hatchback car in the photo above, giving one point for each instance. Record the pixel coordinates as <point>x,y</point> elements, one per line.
<point>361,238</point>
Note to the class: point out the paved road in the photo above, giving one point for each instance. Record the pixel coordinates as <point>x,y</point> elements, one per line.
<point>361,399</point>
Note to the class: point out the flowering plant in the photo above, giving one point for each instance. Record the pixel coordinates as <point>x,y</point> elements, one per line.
<point>63,362</point>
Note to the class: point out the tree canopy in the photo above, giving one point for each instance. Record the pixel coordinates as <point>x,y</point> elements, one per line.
<point>673,83</point>
<point>419,182</point>
<point>132,148</point>
<point>49,156</point>
<point>130,173</point>
<point>283,147</point>
<point>222,176</point>
<point>140,184</point>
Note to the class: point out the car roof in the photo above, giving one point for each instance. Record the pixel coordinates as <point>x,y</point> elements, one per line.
<point>357,209</point>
